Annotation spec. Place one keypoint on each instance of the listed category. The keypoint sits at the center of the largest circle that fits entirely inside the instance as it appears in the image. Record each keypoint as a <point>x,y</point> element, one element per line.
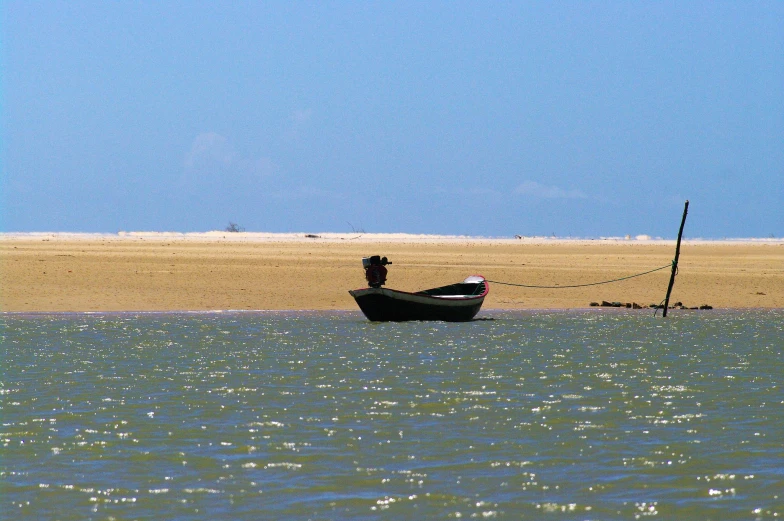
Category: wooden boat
<point>453,303</point>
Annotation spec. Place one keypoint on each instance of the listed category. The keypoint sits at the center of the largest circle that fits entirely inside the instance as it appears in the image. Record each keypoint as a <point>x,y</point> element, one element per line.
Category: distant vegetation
<point>355,230</point>
<point>234,228</point>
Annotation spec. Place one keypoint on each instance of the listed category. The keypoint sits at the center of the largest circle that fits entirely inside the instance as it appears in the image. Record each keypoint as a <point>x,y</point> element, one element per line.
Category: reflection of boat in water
<point>453,303</point>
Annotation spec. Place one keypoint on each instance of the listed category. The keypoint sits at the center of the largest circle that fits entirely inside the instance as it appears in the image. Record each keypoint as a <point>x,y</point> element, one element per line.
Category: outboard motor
<point>375,271</point>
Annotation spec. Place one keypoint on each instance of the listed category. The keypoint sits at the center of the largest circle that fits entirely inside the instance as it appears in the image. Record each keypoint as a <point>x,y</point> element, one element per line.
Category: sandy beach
<point>244,271</point>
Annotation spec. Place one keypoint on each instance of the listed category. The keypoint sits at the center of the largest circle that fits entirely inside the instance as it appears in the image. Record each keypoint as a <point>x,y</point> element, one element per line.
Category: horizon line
<point>356,235</point>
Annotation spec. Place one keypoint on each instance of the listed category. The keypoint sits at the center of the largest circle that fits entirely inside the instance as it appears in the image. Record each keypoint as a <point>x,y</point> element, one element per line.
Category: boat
<point>458,302</point>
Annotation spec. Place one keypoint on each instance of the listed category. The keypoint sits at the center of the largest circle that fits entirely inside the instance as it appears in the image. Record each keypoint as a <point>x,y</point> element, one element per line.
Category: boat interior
<point>461,289</point>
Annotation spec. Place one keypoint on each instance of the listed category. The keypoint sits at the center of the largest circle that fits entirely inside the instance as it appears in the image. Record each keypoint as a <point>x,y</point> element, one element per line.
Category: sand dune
<point>147,271</point>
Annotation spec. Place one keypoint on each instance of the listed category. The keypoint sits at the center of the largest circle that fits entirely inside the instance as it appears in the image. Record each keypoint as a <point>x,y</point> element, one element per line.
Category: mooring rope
<point>580,285</point>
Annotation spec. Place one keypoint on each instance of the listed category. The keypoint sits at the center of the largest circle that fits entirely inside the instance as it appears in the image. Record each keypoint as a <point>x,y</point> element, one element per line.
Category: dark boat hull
<point>389,305</point>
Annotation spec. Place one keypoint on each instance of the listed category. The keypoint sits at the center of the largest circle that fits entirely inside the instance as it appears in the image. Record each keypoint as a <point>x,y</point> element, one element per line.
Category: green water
<point>562,415</point>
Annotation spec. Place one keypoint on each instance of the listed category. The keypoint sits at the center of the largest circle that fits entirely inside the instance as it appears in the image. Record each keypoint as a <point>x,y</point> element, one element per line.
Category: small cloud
<point>212,156</point>
<point>534,189</point>
<point>208,151</point>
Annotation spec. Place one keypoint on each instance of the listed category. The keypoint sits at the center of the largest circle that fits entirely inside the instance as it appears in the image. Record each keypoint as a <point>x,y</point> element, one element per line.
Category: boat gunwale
<point>440,300</point>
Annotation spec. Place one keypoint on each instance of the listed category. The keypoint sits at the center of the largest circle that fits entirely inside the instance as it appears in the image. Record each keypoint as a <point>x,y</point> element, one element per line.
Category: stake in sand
<point>675,260</point>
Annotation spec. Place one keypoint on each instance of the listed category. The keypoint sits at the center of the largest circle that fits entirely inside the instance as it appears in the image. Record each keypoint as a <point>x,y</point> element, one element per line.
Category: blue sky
<point>481,118</point>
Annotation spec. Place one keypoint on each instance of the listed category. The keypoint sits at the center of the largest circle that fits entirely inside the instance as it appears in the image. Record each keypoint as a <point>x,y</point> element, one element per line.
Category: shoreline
<point>480,317</point>
<point>306,237</point>
<point>223,272</point>
<point>383,236</point>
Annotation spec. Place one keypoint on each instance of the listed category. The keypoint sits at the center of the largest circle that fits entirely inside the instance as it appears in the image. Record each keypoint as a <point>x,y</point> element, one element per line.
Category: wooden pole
<point>675,260</point>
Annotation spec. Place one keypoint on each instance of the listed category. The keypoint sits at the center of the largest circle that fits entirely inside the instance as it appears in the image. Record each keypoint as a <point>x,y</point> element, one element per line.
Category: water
<point>563,415</point>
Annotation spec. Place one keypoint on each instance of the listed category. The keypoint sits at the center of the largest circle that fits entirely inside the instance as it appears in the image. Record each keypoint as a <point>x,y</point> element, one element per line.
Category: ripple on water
<point>296,415</point>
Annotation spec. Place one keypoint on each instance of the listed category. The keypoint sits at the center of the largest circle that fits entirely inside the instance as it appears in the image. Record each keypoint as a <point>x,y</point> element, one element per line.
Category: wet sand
<point>160,272</point>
